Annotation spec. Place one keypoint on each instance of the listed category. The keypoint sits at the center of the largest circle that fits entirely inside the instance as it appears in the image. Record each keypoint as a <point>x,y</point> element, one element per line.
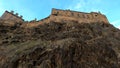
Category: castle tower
<point>11,16</point>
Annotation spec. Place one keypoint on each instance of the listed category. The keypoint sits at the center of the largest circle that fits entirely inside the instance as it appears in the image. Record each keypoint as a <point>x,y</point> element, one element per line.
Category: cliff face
<point>59,45</point>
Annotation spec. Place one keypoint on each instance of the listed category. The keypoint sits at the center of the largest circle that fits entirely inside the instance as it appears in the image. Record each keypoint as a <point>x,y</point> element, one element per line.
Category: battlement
<point>11,16</point>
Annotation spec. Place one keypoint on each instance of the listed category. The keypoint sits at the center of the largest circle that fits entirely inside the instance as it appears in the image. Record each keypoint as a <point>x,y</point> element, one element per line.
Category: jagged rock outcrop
<point>60,45</point>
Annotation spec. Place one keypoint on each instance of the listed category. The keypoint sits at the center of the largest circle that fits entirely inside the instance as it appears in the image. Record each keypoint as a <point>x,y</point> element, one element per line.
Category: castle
<point>58,15</point>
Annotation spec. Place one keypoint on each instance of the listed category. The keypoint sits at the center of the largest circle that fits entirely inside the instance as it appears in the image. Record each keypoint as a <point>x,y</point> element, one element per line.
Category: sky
<point>31,9</point>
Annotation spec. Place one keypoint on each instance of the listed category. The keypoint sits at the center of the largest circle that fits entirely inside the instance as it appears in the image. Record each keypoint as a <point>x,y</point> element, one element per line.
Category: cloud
<point>77,5</point>
<point>86,5</point>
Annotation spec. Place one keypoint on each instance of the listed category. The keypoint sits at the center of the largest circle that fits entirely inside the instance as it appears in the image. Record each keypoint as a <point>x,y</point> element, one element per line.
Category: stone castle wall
<point>82,16</point>
<point>60,16</point>
<point>11,16</point>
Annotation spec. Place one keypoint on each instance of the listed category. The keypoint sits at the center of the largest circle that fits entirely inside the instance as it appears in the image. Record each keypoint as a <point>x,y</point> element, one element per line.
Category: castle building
<point>11,16</point>
<point>81,17</point>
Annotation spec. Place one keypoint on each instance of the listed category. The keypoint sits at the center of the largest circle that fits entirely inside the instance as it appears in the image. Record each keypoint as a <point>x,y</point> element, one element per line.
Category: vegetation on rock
<point>60,45</point>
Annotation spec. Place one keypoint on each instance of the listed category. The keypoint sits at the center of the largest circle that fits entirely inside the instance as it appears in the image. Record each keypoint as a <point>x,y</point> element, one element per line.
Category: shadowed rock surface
<point>59,45</point>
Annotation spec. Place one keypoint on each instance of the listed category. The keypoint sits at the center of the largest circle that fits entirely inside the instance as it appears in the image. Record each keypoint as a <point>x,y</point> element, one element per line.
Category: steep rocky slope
<point>59,45</point>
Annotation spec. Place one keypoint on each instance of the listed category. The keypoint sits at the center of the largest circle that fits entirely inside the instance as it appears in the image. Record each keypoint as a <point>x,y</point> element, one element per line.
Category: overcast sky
<point>31,9</point>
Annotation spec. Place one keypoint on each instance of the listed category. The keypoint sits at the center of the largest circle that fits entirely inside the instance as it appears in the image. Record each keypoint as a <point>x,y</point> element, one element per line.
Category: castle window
<point>96,15</point>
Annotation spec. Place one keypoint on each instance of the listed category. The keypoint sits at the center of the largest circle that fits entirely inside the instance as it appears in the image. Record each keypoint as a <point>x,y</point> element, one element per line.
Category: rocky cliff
<point>59,45</point>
